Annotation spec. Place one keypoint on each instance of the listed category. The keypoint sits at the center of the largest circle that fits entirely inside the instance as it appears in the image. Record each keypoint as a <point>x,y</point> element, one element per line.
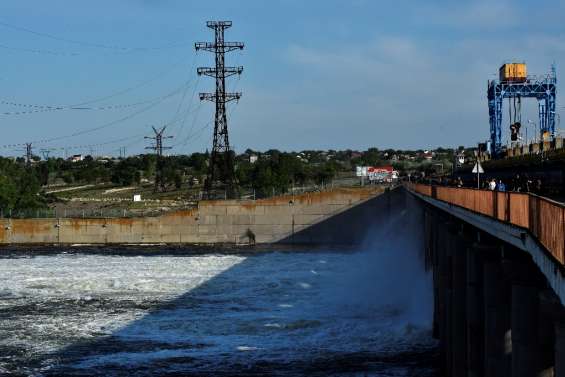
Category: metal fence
<point>99,207</point>
<point>544,218</point>
<point>51,213</point>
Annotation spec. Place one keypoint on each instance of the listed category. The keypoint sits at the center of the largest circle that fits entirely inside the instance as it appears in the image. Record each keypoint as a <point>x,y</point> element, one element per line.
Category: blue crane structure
<point>543,88</point>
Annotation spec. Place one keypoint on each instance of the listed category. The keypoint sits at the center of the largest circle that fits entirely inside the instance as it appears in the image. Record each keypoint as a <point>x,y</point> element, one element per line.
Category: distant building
<point>76,158</point>
<point>253,158</point>
<point>356,155</point>
<point>302,157</point>
<point>103,159</point>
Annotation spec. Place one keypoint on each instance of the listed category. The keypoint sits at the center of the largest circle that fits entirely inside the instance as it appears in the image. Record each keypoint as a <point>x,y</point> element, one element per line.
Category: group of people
<point>493,185</point>
<point>517,184</point>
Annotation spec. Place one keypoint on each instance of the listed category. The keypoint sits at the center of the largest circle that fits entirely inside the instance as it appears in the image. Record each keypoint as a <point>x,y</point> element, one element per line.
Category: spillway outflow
<point>275,313</point>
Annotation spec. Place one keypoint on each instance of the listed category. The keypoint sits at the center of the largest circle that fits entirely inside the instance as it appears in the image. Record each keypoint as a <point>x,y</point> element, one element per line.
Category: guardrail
<point>544,218</point>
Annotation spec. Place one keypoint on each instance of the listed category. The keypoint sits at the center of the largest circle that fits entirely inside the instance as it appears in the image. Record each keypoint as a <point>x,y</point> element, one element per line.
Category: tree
<point>28,189</point>
<point>8,193</point>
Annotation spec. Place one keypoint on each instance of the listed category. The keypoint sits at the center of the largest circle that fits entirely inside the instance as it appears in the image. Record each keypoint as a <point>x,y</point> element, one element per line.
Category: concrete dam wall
<point>335,216</point>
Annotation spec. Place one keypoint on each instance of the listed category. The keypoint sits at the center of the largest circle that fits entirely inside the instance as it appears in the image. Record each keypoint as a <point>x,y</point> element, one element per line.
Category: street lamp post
<point>535,126</point>
<point>558,120</point>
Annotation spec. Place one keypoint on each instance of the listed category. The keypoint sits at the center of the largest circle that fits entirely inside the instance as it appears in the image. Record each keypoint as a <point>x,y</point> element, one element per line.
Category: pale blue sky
<point>318,74</point>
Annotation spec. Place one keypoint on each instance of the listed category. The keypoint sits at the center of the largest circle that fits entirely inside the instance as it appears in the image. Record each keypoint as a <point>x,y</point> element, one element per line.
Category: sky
<point>94,76</point>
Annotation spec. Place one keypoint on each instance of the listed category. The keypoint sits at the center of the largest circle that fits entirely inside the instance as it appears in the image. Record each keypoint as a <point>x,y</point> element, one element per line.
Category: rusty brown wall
<point>231,221</point>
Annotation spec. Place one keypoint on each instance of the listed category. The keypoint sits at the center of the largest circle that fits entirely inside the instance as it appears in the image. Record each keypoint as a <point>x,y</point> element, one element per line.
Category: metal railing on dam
<point>542,217</point>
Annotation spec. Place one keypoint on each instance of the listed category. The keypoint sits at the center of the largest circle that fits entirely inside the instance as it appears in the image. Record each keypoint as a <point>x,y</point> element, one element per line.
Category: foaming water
<point>363,313</point>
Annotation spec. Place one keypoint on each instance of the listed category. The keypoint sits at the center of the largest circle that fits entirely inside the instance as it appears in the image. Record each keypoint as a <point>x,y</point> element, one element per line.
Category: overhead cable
<point>45,108</point>
<point>105,125</point>
<point>89,44</point>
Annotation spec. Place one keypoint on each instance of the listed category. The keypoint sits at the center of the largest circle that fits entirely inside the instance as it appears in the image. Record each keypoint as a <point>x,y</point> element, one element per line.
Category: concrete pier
<point>494,328</point>
<point>474,300</point>
<point>559,348</point>
<point>459,300</point>
<point>524,330</point>
<point>495,313</point>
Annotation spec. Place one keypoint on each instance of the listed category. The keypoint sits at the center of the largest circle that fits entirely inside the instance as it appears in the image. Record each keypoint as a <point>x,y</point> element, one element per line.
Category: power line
<point>123,148</point>
<point>48,108</point>
<point>87,146</point>
<point>49,149</point>
<point>37,51</point>
<point>190,136</point>
<point>89,44</point>
<point>137,86</point>
<point>105,125</point>
<point>79,106</point>
<point>176,118</point>
<point>182,119</point>
<point>131,88</point>
<point>194,121</point>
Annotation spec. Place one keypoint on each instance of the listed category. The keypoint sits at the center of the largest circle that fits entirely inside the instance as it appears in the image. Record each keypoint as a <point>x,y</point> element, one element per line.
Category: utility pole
<point>221,166</point>
<point>158,148</point>
<point>122,152</point>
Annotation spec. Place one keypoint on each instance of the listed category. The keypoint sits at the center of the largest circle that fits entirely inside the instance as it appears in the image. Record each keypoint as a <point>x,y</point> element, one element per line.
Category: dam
<point>316,188</point>
<point>280,219</point>
<point>416,280</point>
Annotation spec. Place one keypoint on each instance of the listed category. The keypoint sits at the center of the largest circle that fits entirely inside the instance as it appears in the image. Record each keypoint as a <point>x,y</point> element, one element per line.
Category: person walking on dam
<point>492,185</point>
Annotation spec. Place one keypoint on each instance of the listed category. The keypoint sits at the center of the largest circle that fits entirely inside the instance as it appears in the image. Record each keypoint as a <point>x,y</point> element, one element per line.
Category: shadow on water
<point>209,331</point>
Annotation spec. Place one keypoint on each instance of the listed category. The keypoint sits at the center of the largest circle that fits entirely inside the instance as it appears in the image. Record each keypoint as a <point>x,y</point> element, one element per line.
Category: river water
<point>223,313</point>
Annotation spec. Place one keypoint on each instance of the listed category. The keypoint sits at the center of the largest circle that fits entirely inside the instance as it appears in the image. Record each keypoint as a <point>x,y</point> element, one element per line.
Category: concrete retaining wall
<point>234,222</point>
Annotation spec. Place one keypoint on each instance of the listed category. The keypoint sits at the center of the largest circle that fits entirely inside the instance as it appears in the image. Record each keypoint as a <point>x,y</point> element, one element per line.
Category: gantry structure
<point>542,88</point>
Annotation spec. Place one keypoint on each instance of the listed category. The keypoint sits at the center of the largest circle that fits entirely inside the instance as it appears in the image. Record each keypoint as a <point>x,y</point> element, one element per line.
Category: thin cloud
<point>483,15</point>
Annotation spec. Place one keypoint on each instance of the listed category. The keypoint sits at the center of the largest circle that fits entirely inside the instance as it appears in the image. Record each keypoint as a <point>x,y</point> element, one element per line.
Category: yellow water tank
<point>513,72</point>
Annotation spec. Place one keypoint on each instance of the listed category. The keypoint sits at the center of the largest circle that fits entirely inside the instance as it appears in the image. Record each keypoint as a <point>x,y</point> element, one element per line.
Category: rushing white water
<point>365,312</point>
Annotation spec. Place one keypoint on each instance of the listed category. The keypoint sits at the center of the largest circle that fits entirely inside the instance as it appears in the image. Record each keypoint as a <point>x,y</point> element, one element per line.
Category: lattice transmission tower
<point>29,154</point>
<point>221,166</point>
<point>158,147</point>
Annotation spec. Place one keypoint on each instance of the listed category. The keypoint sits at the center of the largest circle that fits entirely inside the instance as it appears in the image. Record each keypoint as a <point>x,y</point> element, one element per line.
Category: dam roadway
<point>496,260</point>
